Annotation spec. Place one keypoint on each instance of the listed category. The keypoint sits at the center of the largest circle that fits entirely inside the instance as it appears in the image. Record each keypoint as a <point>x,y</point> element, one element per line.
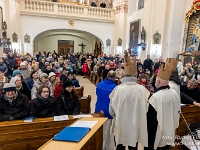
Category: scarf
<point>19,88</point>
<point>10,100</point>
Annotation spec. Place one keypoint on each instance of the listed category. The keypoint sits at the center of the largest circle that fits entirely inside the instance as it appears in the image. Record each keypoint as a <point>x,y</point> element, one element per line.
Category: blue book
<point>71,134</point>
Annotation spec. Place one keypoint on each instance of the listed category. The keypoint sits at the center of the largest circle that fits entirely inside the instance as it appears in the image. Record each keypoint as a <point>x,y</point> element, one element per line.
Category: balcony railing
<point>38,7</point>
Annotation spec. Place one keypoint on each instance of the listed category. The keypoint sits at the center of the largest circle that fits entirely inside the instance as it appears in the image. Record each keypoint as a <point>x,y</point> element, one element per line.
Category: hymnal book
<point>29,119</point>
<point>61,118</point>
<point>71,134</point>
<point>86,124</point>
<point>83,116</point>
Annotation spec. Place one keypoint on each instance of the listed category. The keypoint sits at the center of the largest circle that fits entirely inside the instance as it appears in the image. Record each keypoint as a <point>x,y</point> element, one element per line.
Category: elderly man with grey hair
<point>191,90</point>
<point>103,91</point>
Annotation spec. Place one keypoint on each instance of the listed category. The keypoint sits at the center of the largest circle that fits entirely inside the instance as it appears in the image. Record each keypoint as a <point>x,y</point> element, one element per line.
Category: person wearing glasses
<point>44,104</point>
<point>67,102</point>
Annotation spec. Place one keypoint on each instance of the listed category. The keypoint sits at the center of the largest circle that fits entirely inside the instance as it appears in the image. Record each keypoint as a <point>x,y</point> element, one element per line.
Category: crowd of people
<point>42,85</point>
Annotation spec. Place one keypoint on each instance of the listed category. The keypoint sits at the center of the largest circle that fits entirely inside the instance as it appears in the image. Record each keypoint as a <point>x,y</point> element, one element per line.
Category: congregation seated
<point>32,80</point>
<point>74,81</point>
<point>13,105</point>
<point>67,102</point>
<point>24,71</point>
<point>3,80</point>
<point>44,104</point>
<point>21,84</point>
<point>42,80</point>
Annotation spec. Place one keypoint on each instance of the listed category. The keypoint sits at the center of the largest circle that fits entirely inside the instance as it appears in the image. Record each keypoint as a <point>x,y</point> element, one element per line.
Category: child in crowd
<point>143,80</point>
<point>85,69</point>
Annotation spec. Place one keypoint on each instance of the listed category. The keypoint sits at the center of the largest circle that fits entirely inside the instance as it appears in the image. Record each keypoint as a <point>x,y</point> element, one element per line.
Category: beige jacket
<point>36,85</point>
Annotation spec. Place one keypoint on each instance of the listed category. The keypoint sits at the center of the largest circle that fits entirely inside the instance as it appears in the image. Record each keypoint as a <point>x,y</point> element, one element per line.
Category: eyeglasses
<point>45,91</point>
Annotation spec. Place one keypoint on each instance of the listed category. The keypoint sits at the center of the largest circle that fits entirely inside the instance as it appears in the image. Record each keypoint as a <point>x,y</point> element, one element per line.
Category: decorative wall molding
<point>58,10</point>
<point>123,8</point>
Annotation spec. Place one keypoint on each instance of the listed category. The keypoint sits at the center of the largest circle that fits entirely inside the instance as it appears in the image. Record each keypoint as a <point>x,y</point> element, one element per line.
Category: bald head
<point>111,74</point>
<point>160,82</point>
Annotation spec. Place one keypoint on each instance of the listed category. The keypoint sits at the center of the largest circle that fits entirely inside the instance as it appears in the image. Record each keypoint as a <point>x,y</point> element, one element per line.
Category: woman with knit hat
<point>42,80</point>
<point>13,105</point>
<point>67,102</point>
<point>53,80</point>
<point>22,88</point>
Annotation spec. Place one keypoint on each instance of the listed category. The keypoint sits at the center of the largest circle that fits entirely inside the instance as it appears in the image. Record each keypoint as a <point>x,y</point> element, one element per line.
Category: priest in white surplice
<point>163,114</point>
<point>128,106</point>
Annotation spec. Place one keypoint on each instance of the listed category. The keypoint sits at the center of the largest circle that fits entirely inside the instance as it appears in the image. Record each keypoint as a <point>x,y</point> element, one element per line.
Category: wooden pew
<point>17,135</point>
<point>85,104</point>
<point>192,116</point>
<point>79,91</point>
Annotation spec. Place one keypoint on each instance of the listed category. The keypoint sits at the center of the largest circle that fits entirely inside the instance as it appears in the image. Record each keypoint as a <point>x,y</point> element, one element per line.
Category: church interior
<point>128,71</point>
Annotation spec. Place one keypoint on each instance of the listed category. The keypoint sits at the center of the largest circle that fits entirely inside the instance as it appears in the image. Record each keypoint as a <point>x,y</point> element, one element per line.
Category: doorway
<point>65,47</point>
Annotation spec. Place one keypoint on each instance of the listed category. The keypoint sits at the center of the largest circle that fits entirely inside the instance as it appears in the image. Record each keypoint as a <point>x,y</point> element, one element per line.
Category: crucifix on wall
<point>82,47</point>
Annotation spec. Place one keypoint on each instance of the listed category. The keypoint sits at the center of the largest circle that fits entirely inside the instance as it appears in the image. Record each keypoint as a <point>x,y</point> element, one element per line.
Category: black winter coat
<point>43,108</point>
<point>24,90</point>
<point>3,68</point>
<point>66,105</point>
<point>19,109</point>
<point>13,63</point>
<point>194,94</point>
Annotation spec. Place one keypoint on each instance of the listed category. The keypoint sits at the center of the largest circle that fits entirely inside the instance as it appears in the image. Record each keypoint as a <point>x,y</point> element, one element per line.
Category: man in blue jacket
<point>103,91</point>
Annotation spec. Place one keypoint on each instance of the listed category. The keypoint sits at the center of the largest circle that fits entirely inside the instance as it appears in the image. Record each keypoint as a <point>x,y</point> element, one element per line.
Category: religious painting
<point>193,34</point>
<point>140,4</point>
<point>119,42</point>
<point>14,37</point>
<point>108,42</point>
<point>26,38</point>
<point>134,36</point>
<point>157,37</point>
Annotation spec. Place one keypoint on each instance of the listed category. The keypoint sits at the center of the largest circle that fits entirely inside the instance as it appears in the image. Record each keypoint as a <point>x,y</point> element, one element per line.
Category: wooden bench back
<point>85,104</point>
<point>79,91</point>
<point>17,135</point>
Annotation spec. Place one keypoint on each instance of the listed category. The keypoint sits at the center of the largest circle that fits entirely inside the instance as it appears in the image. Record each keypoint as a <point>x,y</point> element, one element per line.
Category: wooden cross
<point>82,47</point>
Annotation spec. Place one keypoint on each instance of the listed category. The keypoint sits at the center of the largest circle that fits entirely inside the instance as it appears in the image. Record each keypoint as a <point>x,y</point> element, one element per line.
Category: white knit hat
<point>42,75</point>
<point>9,87</point>
<point>51,74</point>
<point>14,79</point>
<point>22,64</point>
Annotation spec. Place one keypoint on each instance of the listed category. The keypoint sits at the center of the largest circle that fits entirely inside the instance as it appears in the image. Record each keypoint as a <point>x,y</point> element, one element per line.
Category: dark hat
<point>9,87</point>
<point>67,83</point>
<point>62,77</point>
